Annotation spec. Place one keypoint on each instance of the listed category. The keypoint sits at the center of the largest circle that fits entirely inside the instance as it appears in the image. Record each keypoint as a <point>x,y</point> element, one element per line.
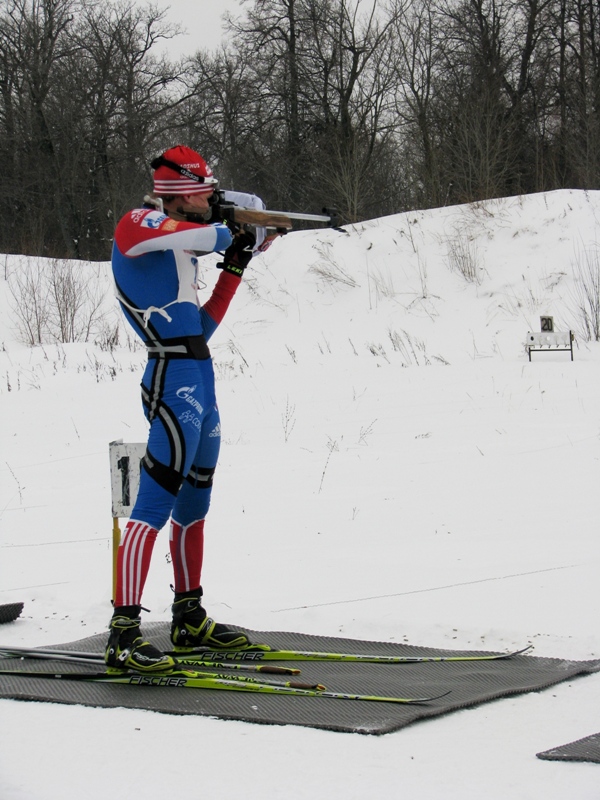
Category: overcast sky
<point>202,20</point>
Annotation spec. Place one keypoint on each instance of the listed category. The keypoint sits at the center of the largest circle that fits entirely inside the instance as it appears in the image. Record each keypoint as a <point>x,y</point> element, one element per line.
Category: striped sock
<point>133,562</point>
<point>186,543</point>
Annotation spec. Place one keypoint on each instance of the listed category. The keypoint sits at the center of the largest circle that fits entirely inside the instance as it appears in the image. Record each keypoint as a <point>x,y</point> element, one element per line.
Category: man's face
<point>200,202</point>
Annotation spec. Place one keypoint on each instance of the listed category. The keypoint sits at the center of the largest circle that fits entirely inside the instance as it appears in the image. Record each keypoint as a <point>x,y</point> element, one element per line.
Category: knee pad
<point>200,477</point>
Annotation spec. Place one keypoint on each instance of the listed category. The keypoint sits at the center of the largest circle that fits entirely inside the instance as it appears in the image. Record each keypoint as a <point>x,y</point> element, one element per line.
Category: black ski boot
<point>191,627</point>
<point>127,649</point>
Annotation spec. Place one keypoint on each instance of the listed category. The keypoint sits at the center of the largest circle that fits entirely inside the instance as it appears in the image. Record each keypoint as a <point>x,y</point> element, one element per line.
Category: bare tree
<point>320,73</point>
<point>83,101</point>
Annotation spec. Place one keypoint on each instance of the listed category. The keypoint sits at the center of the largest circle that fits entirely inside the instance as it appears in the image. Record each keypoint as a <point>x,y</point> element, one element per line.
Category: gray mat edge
<point>574,751</point>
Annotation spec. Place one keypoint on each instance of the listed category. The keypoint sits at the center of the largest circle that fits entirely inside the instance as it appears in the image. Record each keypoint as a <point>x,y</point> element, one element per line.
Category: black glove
<point>238,254</point>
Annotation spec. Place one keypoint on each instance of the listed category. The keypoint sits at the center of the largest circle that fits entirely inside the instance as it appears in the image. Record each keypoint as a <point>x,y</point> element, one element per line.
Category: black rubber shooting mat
<point>587,749</point>
<point>9,612</point>
<point>470,682</point>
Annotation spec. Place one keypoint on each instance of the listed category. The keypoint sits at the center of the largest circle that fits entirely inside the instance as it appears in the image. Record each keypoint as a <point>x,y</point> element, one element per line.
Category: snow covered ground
<point>393,468</point>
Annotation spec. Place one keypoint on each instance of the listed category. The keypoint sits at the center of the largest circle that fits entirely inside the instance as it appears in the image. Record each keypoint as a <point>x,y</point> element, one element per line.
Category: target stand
<point>125,468</point>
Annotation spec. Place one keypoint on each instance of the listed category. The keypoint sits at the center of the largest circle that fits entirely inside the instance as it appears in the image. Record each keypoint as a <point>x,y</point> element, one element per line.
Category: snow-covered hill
<point>393,468</point>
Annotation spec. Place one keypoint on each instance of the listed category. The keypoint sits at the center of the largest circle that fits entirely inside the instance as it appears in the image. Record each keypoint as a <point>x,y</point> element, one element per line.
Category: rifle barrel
<point>295,215</point>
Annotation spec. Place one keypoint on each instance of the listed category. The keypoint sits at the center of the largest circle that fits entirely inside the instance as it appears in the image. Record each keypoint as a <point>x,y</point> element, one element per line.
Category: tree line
<point>371,108</point>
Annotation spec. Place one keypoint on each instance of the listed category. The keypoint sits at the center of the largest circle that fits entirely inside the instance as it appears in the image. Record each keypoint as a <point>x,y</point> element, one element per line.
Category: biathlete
<point>155,268</point>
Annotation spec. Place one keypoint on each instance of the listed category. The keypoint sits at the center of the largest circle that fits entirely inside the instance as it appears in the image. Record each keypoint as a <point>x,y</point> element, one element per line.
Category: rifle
<point>222,210</point>
<point>281,221</point>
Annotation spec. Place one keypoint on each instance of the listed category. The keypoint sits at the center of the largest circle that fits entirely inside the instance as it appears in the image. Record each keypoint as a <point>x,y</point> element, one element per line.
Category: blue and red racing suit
<point>155,272</point>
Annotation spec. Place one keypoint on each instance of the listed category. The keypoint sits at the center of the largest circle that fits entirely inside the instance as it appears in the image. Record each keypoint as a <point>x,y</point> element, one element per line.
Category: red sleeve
<point>144,230</point>
<point>222,296</point>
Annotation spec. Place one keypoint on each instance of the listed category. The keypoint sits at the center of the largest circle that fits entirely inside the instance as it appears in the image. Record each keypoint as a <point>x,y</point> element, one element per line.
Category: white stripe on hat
<point>183,186</point>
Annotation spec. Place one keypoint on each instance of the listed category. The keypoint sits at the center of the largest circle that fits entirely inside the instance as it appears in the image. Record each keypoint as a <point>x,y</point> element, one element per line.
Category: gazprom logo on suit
<point>153,219</point>
<point>186,393</point>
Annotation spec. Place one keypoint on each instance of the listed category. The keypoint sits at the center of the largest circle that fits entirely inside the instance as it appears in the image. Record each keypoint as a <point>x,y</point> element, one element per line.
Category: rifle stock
<point>263,219</point>
<point>237,215</point>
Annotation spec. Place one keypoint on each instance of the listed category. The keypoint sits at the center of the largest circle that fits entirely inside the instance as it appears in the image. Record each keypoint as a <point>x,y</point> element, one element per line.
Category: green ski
<point>258,653</point>
<point>85,657</point>
<point>184,679</point>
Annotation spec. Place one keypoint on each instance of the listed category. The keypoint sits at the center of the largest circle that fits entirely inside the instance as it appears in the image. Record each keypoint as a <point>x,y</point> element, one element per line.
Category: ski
<point>186,679</point>
<point>111,671</point>
<point>254,654</point>
<point>84,657</point>
<point>231,659</point>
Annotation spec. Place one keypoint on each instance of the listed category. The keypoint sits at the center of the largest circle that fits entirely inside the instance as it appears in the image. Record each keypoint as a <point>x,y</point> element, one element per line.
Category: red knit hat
<point>180,171</point>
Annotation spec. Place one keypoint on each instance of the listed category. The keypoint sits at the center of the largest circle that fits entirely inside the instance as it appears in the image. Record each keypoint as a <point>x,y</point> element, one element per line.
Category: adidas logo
<point>216,432</point>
